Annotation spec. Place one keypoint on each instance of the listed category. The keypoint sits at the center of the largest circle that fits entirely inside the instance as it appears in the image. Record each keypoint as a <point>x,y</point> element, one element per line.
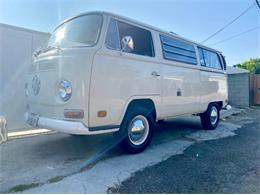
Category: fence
<point>254,89</point>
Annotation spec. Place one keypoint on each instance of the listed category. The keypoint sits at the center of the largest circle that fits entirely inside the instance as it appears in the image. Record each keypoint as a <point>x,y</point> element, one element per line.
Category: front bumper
<point>65,126</point>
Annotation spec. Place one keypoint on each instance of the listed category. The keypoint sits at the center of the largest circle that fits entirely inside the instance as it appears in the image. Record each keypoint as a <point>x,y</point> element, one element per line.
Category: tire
<point>133,139</point>
<point>159,122</point>
<point>210,118</point>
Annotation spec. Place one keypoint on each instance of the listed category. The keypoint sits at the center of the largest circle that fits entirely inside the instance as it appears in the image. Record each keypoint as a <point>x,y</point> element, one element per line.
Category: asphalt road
<point>40,158</point>
<point>229,165</point>
<point>37,159</point>
<point>58,163</point>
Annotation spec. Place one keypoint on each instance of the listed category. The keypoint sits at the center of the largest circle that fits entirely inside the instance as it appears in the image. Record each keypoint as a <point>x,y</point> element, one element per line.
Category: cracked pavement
<point>227,165</point>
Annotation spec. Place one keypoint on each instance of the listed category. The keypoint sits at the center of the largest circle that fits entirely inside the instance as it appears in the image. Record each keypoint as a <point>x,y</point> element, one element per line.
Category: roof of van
<point>141,24</point>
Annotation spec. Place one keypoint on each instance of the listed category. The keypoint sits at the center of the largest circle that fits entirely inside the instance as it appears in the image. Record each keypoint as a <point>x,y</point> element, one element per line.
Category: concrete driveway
<point>60,163</point>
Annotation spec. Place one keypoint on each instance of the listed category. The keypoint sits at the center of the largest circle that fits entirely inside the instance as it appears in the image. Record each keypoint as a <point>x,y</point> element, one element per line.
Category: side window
<point>209,59</point>
<point>178,50</point>
<point>112,39</point>
<point>142,39</point>
<point>212,59</point>
<point>202,60</point>
<point>224,62</point>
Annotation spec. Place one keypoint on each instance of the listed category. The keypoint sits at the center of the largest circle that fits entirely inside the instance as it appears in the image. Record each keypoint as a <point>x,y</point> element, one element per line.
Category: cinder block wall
<point>238,89</point>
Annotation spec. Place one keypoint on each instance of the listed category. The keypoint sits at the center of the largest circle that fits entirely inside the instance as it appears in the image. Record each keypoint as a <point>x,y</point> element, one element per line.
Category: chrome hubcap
<point>214,115</point>
<point>138,130</point>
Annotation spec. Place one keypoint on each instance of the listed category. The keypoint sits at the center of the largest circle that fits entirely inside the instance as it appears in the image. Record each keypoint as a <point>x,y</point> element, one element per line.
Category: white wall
<point>16,48</point>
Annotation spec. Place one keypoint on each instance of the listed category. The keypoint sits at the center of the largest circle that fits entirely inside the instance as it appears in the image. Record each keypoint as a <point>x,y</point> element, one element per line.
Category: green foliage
<point>253,65</point>
<point>23,187</point>
<point>55,179</point>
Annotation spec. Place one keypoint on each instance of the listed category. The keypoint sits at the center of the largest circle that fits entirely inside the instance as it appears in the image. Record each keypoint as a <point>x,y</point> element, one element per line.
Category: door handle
<point>155,74</point>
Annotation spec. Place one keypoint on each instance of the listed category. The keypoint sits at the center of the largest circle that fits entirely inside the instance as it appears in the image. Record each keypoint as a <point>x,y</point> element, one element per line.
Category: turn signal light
<point>73,113</point>
<point>102,113</point>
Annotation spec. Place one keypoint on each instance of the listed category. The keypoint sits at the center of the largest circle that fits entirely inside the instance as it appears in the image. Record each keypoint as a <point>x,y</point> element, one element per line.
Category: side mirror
<point>127,44</point>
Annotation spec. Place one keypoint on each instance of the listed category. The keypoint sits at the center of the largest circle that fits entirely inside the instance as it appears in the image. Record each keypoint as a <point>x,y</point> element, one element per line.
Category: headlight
<point>65,90</point>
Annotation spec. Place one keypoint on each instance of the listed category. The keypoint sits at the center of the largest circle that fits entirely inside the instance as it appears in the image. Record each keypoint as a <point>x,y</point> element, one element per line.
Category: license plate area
<point>33,120</point>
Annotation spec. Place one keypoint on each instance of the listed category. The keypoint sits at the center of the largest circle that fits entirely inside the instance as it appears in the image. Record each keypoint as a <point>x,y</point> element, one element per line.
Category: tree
<point>253,65</point>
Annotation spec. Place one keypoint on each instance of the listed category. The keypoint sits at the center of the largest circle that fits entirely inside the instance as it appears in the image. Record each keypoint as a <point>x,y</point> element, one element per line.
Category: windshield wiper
<point>37,52</point>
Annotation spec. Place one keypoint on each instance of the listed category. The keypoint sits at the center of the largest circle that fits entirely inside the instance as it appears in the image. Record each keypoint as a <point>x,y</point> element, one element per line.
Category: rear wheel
<point>210,118</point>
<point>136,130</point>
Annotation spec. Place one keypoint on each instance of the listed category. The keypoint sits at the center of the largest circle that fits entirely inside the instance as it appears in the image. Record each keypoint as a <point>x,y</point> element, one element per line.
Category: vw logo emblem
<point>36,85</point>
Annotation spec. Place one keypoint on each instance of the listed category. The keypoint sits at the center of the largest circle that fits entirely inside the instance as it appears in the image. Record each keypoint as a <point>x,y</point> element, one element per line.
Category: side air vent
<point>178,50</point>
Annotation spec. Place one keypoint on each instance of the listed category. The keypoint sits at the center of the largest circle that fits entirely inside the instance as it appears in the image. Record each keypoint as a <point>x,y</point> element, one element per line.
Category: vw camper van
<point>104,73</point>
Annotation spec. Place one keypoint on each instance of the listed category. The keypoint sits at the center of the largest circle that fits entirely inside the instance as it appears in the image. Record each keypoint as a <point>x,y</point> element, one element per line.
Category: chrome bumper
<point>70,127</point>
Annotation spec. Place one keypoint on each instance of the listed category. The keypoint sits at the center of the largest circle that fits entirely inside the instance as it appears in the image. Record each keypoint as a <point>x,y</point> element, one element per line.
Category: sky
<point>192,19</point>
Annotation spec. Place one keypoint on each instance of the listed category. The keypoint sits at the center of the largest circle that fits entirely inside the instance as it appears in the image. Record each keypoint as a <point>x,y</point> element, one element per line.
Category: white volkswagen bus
<point>104,73</point>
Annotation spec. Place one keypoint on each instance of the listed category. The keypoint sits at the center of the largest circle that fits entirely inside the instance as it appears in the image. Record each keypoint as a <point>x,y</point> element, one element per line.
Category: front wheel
<point>136,130</point>
<point>210,118</point>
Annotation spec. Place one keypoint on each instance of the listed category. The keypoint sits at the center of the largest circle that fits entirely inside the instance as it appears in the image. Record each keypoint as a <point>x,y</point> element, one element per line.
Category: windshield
<point>81,31</point>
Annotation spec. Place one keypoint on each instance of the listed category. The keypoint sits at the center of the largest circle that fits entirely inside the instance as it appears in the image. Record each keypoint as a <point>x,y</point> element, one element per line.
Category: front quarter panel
<point>72,64</point>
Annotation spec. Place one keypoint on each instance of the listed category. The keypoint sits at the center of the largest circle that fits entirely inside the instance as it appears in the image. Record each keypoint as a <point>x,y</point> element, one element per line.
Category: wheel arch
<point>219,103</point>
<point>144,102</point>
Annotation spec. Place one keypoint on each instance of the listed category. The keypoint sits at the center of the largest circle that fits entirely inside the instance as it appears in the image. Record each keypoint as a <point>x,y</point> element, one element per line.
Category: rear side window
<point>143,43</point>
<point>178,50</point>
<point>202,59</point>
<point>209,59</point>
<point>224,62</point>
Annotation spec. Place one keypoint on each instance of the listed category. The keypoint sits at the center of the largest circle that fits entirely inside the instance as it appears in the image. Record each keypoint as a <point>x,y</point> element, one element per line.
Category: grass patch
<point>55,179</point>
<point>23,187</point>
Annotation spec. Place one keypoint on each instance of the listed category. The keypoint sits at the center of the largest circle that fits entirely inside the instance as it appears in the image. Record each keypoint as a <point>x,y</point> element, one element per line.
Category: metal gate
<point>254,89</point>
<point>257,89</point>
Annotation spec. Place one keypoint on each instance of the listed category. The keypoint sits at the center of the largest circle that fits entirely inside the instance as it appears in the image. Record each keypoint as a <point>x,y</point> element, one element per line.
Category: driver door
<point>124,69</point>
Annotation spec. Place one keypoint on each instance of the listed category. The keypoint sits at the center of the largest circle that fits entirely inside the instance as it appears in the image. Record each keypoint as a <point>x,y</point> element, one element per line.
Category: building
<point>16,49</point>
<point>238,87</point>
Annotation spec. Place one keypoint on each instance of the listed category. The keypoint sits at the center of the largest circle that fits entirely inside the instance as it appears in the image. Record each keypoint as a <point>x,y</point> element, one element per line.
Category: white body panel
<point>213,88</point>
<point>108,80</point>
<point>187,82</point>
<point>72,64</point>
